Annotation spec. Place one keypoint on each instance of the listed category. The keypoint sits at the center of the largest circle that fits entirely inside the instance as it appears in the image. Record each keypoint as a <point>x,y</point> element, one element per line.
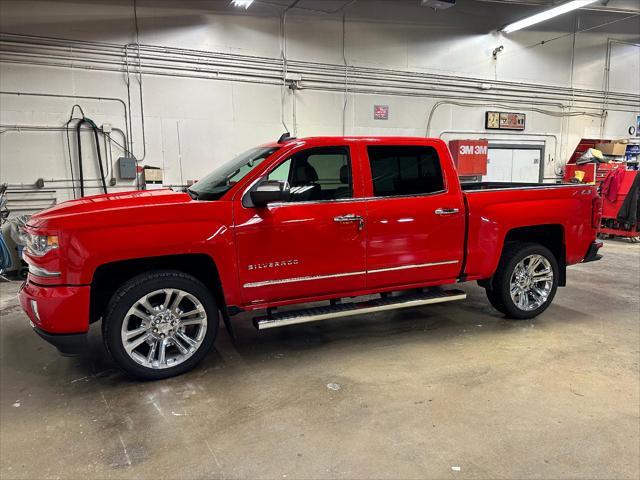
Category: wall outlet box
<point>127,168</point>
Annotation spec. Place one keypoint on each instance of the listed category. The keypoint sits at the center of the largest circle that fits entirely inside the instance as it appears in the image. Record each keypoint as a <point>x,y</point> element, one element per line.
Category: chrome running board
<point>357,308</point>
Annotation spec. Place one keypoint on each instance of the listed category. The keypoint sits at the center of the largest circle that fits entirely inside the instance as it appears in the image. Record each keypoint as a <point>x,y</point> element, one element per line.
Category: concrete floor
<point>447,391</point>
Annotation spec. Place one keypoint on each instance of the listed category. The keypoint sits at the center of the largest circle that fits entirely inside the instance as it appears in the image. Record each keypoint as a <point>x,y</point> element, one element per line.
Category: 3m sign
<point>470,156</point>
<point>473,149</point>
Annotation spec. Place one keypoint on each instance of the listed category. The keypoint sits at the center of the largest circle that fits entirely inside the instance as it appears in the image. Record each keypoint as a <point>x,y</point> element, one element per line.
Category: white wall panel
<point>315,39</point>
<point>188,98</point>
<point>625,68</point>
<point>255,104</point>
<point>377,44</point>
<point>443,50</point>
<point>320,113</point>
<point>193,124</point>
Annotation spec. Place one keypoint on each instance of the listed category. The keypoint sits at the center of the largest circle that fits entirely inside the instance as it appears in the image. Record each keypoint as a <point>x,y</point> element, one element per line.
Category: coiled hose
<point>95,129</point>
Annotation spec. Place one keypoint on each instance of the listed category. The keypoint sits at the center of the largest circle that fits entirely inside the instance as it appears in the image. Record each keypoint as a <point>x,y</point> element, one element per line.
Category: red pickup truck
<point>291,222</point>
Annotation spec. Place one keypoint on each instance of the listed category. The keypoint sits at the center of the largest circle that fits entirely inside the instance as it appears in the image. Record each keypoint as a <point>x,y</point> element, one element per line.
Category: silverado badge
<point>282,263</point>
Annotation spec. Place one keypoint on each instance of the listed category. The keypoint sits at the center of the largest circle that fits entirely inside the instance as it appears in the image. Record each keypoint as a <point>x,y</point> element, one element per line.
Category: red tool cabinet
<point>596,173</point>
<point>609,224</point>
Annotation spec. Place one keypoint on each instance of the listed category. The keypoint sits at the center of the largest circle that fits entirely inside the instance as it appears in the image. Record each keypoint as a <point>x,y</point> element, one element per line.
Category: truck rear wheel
<point>160,324</point>
<point>525,282</point>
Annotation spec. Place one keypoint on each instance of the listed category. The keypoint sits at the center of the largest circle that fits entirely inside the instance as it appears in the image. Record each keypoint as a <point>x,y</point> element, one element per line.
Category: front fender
<point>202,228</point>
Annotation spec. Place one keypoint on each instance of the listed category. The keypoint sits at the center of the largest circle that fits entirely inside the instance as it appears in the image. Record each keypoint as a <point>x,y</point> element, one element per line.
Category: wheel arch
<point>551,236</point>
<point>108,277</point>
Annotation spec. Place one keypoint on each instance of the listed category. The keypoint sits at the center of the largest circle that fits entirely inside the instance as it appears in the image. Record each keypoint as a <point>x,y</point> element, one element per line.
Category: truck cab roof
<point>333,140</point>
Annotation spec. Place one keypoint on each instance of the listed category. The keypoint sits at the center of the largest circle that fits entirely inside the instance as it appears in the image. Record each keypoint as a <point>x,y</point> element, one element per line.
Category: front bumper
<point>592,254</point>
<point>69,345</point>
<point>58,314</point>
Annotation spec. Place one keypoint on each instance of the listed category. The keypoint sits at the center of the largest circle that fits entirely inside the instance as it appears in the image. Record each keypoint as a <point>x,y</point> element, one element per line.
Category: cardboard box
<point>152,174</point>
<point>615,149</point>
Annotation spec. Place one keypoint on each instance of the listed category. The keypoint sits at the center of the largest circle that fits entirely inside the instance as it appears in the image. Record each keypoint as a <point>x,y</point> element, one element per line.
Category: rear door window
<point>405,170</point>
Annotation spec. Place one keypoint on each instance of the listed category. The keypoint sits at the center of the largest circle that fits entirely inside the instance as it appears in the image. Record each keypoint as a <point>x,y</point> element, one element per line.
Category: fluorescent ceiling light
<point>546,15</point>
<point>242,3</point>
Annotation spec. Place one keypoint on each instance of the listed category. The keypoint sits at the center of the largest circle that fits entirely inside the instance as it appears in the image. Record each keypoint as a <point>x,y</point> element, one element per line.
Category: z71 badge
<point>282,263</point>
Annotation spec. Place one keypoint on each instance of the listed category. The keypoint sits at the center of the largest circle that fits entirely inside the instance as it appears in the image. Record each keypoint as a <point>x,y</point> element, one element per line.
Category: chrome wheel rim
<point>164,328</point>
<point>531,282</point>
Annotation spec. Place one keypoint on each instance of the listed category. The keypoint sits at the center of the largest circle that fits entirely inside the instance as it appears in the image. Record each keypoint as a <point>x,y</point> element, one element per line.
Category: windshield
<point>218,182</point>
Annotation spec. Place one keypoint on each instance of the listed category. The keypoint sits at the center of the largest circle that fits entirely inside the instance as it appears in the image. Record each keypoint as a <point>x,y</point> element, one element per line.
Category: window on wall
<point>405,170</point>
<point>315,174</point>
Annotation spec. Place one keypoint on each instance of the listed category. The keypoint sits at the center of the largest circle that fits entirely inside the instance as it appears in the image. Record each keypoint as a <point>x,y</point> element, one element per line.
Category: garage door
<point>513,165</point>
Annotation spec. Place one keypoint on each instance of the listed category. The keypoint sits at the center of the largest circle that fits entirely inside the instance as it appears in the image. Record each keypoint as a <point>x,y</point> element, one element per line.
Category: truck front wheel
<point>525,282</point>
<point>160,324</point>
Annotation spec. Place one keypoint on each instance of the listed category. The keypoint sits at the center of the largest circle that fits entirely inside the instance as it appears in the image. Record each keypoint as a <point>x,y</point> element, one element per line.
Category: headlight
<point>38,245</point>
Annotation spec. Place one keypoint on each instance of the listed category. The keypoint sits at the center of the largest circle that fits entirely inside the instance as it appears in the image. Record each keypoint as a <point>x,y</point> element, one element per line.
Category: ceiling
<point>472,16</point>
<point>361,7</point>
<point>478,15</point>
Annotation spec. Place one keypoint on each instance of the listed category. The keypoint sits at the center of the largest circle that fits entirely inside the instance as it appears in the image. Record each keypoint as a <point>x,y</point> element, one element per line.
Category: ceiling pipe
<point>392,81</point>
<point>237,63</point>
<point>310,71</point>
<point>336,83</point>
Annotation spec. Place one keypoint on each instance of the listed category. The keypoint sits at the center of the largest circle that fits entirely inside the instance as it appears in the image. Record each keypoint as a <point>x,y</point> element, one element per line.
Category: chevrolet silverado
<point>291,222</point>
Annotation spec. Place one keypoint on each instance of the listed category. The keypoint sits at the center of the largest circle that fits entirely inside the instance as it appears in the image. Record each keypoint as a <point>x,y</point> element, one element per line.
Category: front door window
<point>317,174</point>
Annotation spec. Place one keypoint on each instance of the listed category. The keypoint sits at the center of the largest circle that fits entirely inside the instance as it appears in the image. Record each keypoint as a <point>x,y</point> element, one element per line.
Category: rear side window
<point>405,170</point>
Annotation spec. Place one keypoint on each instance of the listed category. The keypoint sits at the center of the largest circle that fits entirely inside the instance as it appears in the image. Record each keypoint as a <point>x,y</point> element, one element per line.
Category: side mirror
<point>270,191</point>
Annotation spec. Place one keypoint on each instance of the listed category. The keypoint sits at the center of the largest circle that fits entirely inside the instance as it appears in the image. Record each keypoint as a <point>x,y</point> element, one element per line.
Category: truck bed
<point>496,208</point>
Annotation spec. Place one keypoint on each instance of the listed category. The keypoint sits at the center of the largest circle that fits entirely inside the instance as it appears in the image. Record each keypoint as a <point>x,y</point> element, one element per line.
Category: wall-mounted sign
<point>505,121</point>
<point>470,156</point>
<point>638,126</point>
<point>381,112</point>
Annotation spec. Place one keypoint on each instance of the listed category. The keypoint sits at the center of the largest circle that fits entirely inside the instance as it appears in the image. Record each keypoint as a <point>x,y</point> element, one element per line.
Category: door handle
<point>350,218</point>
<point>446,211</point>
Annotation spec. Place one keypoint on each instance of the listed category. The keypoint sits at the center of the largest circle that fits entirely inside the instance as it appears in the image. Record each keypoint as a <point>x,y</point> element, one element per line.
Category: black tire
<point>499,292</point>
<point>136,288</point>
<point>494,300</point>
